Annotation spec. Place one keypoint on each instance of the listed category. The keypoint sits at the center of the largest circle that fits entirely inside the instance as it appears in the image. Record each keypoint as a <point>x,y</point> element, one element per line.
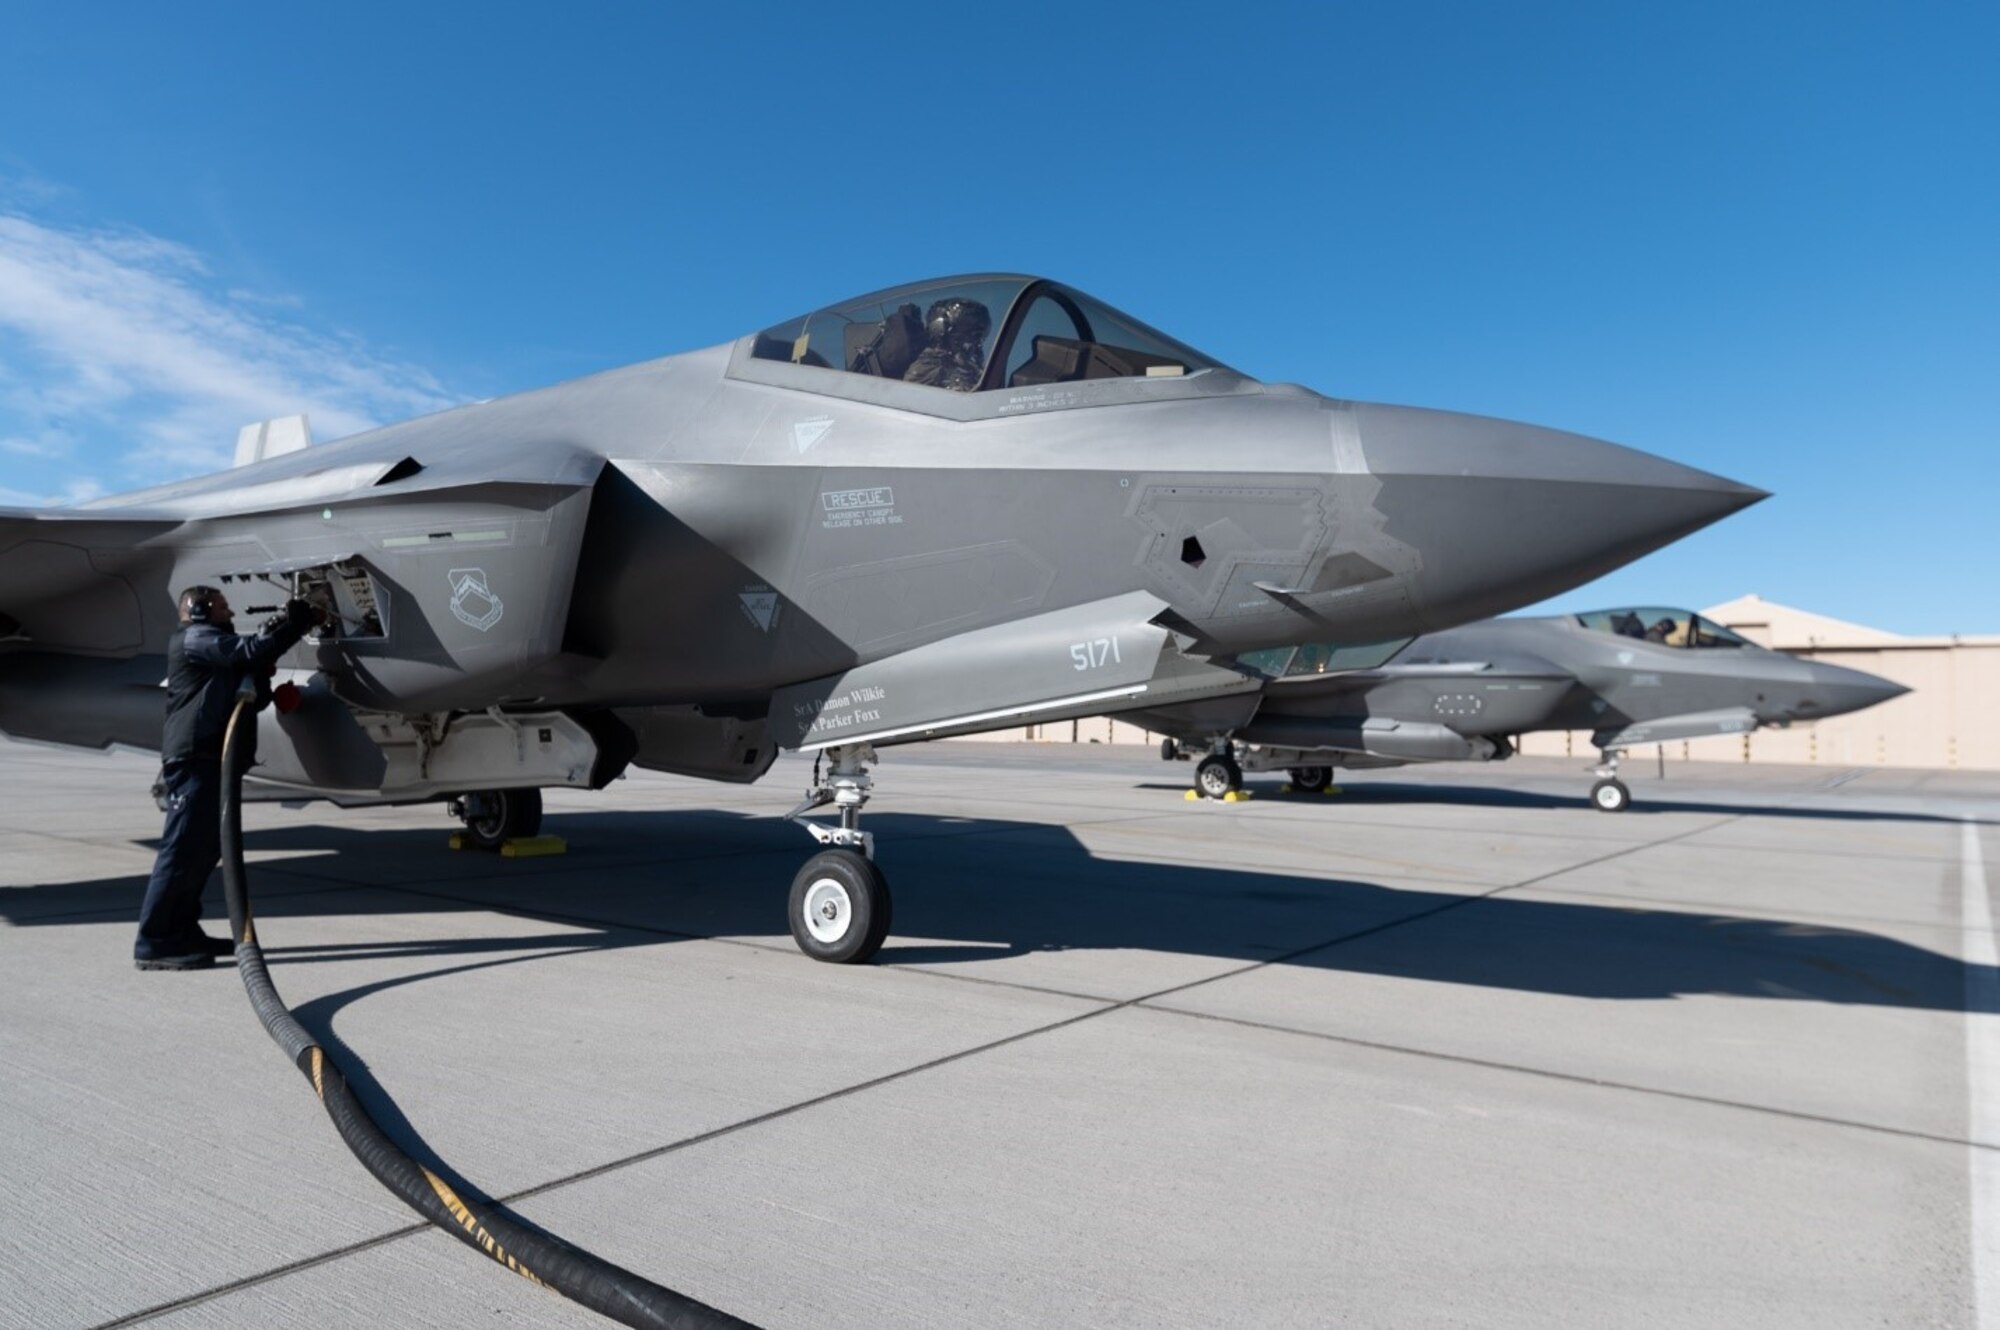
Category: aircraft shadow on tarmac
<point>1645,799</point>
<point>980,890</point>
<point>975,890</point>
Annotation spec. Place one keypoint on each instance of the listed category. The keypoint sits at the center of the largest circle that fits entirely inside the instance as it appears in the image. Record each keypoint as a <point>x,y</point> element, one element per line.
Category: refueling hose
<point>538,1257</point>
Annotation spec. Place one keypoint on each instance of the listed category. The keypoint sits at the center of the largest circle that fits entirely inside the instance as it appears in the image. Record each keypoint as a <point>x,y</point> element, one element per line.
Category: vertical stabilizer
<point>272,438</point>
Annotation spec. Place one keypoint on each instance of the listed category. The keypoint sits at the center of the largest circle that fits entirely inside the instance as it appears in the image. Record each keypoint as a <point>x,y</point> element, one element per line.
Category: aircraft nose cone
<point>1833,690</point>
<point>1504,514</point>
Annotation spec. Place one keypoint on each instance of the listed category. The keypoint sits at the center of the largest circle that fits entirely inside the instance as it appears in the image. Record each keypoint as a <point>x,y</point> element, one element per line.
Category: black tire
<point>1217,775</point>
<point>1169,750</point>
<point>1312,780</point>
<point>495,817</point>
<point>1610,796</point>
<point>839,908</point>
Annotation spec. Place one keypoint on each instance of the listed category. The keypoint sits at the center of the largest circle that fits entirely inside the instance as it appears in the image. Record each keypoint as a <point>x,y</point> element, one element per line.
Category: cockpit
<point>976,334</point>
<point>1673,628</point>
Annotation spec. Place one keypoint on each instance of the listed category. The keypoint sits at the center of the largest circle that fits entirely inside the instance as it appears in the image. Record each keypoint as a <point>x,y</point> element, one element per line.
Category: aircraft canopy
<point>974,334</point>
<point>1674,628</point>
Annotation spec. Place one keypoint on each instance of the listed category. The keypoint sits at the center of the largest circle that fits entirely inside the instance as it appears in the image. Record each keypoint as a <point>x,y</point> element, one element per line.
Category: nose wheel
<point>839,908</point>
<point>1609,795</point>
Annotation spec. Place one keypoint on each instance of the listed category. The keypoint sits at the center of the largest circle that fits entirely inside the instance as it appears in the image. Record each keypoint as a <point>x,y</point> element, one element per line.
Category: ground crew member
<point>206,664</point>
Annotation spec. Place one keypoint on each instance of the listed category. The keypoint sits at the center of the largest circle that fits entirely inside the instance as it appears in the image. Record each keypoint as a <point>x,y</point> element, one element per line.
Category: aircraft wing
<point>1079,661</point>
<point>77,580</point>
<point>1692,725</point>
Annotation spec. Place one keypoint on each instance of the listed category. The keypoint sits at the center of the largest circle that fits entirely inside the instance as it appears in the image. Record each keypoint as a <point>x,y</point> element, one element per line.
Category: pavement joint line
<point>1304,874</point>
<point>612,1166</point>
<point>1846,855</point>
<point>783,949</point>
<point>95,842</point>
<point>261,1277</point>
<point>1578,1078</point>
<point>1107,1007</point>
<point>1431,913</point>
<point>1982,1076</point>
<point>558,916</point>
<point>554,866</point>
<point>776,948</point>
<point>1737,910</point>
<point>131,911</point>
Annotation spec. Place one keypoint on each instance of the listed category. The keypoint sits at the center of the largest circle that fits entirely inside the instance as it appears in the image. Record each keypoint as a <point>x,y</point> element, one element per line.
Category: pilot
<point>206,664</point>
<point>1661,630</point>
<point>955,356</point>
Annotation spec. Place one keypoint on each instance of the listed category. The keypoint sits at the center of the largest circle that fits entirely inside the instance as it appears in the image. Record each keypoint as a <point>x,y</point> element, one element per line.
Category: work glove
<point>300,615</point>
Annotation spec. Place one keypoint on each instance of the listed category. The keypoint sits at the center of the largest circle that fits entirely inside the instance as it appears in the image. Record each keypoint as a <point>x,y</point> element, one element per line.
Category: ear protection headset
<point>197,602</point>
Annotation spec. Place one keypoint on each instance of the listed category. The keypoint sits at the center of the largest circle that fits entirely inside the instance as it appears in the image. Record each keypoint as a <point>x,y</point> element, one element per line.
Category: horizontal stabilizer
<point>1070,662</point>
<point>1693,725</point>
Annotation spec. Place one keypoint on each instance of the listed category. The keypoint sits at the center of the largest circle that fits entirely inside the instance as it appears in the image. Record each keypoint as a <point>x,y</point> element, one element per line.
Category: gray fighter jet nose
<point>1508,514</point>
<point>1834,690</point>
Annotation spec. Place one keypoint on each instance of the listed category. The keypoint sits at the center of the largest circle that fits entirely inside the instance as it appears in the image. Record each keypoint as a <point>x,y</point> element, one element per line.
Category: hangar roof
<point>1785,628</point>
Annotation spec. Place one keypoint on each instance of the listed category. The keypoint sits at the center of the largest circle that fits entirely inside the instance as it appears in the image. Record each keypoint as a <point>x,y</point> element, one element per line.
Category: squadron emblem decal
<point>760,605</point>
<point>472,601</point>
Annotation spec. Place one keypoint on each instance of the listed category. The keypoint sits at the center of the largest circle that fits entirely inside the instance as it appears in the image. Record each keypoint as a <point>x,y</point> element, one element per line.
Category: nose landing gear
<point>839,908</point>
<point>1610,794</point>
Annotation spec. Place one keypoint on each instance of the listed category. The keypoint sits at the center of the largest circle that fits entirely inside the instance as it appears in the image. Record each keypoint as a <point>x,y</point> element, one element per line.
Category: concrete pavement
<point>1450,1048</point>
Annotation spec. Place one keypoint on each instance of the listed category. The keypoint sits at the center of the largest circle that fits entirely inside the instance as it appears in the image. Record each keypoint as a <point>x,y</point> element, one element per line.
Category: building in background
<point>1951,718</point>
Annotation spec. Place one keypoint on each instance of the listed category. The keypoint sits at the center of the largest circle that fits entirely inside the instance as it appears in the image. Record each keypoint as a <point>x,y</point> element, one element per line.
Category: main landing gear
<point>840,907</point>
<point>1311,780</point>
<point>1609,795</point>
<point>494,817</point>
<point>1218,776</point>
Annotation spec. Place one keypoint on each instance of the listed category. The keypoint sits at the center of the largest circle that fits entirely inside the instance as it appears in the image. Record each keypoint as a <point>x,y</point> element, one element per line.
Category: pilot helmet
<point>957,320</point>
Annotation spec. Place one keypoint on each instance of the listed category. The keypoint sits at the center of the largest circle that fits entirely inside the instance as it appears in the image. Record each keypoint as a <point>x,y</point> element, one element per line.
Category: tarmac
<point>1447,1048</point>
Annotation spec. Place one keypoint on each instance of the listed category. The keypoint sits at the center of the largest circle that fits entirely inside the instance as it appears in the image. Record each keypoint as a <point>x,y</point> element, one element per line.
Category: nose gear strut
<point>840,906</point>
<point>1610,794</point>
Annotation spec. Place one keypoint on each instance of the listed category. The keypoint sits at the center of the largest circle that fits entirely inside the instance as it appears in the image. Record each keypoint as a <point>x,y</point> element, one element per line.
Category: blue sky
<point>1761,239</point>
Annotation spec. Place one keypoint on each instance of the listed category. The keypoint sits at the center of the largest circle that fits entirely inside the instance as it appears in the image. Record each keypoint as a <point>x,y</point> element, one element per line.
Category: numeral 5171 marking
<point>1095,654</point>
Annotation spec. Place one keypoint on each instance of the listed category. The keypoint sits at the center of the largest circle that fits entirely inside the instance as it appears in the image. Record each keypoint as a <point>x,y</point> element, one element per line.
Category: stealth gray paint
<point>1506,677</point>
<point>666,538</point>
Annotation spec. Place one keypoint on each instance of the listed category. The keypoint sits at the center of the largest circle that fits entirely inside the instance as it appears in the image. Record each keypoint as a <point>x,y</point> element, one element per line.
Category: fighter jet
<point>1630,676</point>
<point>928,511</point>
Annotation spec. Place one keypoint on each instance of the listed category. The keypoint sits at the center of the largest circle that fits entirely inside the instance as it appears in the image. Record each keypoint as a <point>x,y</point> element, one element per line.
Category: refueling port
<point>346,592</point>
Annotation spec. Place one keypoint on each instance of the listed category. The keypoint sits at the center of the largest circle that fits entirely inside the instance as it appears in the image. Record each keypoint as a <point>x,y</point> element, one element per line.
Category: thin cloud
<point>120,356</point>
<point>78,491</point>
